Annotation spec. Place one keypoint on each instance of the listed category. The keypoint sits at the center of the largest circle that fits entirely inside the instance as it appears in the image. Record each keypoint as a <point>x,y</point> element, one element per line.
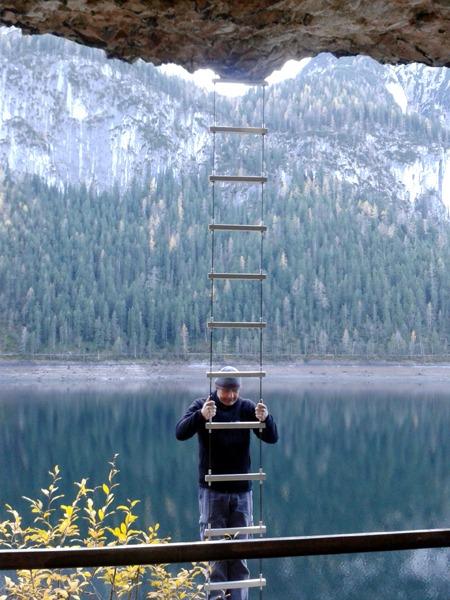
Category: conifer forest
<point>127,275</point>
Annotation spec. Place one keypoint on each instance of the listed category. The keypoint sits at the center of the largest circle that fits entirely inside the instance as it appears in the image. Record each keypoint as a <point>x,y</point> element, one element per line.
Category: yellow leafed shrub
<point>52,531</point>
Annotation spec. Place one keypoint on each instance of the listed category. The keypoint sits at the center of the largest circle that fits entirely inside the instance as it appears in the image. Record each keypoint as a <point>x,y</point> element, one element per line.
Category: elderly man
<point>225,504</point>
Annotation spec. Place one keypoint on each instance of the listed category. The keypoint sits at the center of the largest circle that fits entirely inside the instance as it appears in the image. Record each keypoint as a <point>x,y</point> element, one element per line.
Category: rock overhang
<point>243,38</point>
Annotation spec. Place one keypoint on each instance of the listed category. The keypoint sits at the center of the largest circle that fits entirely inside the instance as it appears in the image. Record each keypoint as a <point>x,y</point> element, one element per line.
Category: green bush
<point>49,531</point>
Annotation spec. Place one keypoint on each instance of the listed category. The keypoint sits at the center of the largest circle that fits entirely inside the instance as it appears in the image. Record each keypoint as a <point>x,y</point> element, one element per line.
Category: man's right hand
<point>209,409</point>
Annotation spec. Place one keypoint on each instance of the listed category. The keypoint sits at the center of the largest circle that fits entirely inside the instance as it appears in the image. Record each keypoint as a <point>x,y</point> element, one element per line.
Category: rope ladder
<point>231,183</point>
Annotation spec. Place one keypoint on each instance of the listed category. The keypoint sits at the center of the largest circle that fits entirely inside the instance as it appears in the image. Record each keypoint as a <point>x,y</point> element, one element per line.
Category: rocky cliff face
<point>72,117</point>
<point>394,156</point>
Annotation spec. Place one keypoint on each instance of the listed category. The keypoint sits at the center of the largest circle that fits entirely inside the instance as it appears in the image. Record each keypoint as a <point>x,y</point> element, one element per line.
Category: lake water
<point>350,459</point>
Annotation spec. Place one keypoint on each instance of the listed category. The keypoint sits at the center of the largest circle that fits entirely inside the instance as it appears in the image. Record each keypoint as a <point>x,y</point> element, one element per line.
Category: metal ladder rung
<point>257,276</point>
<point>236,227</point>
<point>235,425</point>
<point>238,178</point>
<point>233,531</point>
<point>236,324</point>
<point>236,477</point>
<point>250,82</point>
<point>214,374</point>
<point>247,130</point>
<point>234,585</point>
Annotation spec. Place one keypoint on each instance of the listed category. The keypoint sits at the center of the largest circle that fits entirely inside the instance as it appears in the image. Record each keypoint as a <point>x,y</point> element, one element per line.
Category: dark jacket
<point>228,450</point>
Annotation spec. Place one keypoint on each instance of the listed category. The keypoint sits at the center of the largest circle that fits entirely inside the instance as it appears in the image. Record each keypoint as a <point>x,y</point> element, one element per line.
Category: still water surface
<point>351,459</point>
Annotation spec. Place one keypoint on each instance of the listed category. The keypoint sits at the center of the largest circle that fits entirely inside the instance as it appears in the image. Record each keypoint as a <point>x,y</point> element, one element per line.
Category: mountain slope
<point>113,257</point>
<point>351,119</point>
<point>71,116</point>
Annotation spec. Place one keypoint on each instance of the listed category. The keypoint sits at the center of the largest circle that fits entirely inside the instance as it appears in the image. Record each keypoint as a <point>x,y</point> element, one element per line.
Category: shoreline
<point>26,372</point>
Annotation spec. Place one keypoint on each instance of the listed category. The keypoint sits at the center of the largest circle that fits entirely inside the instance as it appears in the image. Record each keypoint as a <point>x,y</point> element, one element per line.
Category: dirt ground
<point>16,372</point>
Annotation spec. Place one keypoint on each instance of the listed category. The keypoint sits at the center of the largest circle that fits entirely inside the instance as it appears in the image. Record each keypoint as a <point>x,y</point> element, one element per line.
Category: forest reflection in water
<point>350,459</point>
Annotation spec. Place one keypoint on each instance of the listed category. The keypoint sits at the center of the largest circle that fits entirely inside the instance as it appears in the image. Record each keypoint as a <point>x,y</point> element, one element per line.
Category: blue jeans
<point>220,509</point>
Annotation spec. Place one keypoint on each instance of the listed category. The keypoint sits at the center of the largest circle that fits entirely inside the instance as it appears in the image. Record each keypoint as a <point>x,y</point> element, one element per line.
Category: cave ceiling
<point>243,38</point>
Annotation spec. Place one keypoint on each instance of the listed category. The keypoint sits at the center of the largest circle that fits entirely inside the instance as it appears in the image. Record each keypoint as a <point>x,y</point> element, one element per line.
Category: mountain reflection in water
<point>350,459</point>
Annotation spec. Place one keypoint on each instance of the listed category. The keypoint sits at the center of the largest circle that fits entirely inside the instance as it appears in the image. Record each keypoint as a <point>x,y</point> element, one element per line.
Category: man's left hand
<point>261,412</point>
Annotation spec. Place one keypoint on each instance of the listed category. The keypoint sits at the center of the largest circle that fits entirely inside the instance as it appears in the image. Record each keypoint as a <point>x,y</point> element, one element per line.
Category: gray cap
<point>228,382</point>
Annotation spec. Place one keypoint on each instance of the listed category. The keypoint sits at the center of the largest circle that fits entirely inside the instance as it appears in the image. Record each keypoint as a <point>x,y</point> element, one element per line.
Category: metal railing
<point>187,552</point>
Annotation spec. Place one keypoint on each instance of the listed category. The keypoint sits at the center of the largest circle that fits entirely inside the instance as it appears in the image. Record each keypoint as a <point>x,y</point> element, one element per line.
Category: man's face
<point>228,396</point>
